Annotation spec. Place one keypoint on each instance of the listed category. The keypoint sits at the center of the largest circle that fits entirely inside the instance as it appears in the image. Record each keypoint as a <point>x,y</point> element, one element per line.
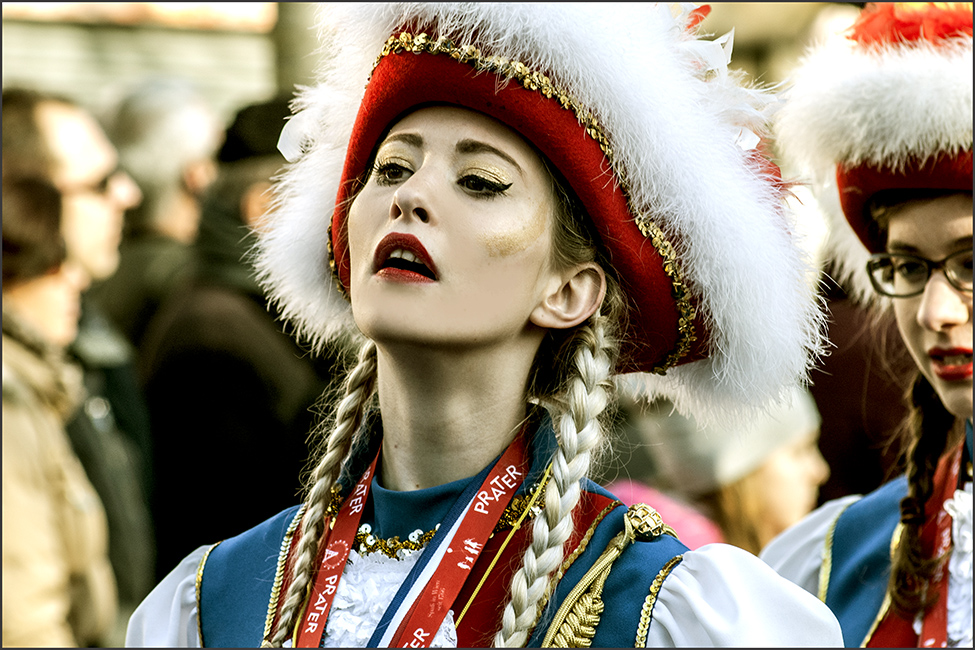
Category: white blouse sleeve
<point>721,595</point>
<point>797,553</point>
<point>168,615</point>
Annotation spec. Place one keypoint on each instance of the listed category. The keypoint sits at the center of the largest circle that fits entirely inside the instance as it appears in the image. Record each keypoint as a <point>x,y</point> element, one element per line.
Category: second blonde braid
<point>576,419</point>
<point>360,385</point>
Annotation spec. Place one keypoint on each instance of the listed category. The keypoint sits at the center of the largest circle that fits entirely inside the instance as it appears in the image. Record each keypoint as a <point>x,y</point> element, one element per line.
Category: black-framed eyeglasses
<point>899,275</point>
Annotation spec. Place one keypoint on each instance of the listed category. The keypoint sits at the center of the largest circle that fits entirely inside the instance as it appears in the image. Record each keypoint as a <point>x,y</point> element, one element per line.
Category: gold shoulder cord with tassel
<point>574,625</point>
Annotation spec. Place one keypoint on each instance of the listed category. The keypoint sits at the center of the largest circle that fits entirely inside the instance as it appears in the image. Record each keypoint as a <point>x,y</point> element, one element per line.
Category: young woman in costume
<point>516,202</point>
<point>881,122</point>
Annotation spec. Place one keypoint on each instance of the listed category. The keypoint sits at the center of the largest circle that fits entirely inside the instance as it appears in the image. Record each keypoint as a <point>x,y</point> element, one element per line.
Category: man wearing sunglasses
<point>54,138</point>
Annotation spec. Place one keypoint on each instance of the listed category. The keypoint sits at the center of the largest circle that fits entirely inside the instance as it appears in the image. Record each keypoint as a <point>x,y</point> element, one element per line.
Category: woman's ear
<point>198,175</point>
<point>576,297</point>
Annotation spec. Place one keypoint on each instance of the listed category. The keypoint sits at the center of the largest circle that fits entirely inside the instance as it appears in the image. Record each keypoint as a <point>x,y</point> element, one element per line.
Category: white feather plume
<point>680,124</point>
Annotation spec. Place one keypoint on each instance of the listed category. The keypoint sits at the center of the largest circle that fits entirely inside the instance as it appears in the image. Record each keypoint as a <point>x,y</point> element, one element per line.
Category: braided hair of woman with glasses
<point>892,167</point>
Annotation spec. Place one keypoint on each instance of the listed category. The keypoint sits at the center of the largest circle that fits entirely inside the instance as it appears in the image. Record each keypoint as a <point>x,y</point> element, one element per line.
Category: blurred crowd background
<point>240,52</point>
<point>202,400</point>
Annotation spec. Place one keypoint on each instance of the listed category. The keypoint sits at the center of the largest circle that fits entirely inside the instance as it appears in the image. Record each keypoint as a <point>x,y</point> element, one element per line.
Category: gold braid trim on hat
<point>538,82</point>
<point>678,292</point>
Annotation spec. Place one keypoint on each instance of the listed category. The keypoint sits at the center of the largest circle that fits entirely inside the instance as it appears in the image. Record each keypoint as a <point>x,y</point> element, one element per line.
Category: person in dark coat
<point>229,392</point>
<point>167,134</point>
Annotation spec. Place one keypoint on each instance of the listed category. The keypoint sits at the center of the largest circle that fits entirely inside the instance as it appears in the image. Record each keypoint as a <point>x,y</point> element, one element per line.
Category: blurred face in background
<point>50,303</point>
<point>96,194</point>
<point>787,485</point>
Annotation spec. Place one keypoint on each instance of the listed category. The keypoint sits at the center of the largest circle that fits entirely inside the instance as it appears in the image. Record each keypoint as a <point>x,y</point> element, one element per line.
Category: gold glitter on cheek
<point>504,244</point>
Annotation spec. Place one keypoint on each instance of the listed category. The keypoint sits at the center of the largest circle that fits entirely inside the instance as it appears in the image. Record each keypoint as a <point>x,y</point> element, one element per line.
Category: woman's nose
<point>821,468</point>
<point>942,306</point>
<point>412,199</point>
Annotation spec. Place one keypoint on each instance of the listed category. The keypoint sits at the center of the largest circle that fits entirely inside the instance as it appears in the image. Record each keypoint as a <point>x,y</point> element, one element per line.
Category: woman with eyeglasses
<point>880,120</point>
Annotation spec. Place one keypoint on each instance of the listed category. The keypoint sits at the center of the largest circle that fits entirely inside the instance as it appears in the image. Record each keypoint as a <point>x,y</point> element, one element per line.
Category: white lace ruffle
<point>960,569</point>
<point>368,584</point>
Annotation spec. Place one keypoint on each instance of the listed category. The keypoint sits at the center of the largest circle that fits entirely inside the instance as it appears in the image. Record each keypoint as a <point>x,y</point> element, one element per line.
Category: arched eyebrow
<point>476,146</point>
<point>904,247</point>
<point>466,146</point>
<point>411,139</point>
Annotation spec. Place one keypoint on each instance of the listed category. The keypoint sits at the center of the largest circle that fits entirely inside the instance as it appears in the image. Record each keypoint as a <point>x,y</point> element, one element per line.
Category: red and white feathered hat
<point>885,105</point>
<point>655,135</point>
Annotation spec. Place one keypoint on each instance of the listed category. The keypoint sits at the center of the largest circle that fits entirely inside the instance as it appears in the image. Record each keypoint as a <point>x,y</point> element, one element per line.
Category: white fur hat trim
<point>680,124</point>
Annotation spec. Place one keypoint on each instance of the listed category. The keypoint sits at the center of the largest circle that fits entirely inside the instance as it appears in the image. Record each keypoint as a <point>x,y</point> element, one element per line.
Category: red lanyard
<point>331,561</point>
<point>894,630</point>
<point>428,599</point>
<point>420,624</point>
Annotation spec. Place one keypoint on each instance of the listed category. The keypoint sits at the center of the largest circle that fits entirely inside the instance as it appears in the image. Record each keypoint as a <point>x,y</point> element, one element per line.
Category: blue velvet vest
<point>238,575</point>
<point>860,559</point>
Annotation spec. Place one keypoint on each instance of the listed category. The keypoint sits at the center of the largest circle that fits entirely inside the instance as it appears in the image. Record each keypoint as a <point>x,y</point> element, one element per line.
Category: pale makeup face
<point>50,303</point>
<point>469,199</point>
<point>790,480</point>
<point>937,324</point>
<point>96,194</point>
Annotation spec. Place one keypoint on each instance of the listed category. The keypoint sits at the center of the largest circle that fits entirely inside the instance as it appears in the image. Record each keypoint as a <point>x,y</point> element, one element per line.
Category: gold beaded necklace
<point>366,543</point>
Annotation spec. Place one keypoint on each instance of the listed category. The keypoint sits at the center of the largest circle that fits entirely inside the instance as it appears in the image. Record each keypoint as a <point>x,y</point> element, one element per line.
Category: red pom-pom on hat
<point>898,22</point>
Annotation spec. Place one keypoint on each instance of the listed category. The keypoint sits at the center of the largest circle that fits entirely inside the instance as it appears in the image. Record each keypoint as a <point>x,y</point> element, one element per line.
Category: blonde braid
<point>360,385</point>
<point>576,419</point>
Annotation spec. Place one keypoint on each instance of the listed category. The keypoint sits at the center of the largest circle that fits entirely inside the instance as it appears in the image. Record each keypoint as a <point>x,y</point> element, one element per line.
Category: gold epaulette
<point>574,625</point>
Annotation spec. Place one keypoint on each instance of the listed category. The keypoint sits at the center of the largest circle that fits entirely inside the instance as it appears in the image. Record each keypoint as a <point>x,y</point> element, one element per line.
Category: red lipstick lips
<point>402,258</point>
<point>951,364</point>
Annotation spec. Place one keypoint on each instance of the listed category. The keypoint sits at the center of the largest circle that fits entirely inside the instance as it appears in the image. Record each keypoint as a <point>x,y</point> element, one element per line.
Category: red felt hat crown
<point>859,183</point>
<point>414,70</point>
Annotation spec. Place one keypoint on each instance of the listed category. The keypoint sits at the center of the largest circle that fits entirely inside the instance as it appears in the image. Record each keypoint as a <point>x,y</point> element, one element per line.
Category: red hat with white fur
<point>655,135</point>
<point>885,105</point>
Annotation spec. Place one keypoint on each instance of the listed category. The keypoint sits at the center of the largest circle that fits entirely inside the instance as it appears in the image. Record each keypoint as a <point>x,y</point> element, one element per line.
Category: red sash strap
<point>895,631</point>
<point>482,619</point>
<point>334,553</point>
